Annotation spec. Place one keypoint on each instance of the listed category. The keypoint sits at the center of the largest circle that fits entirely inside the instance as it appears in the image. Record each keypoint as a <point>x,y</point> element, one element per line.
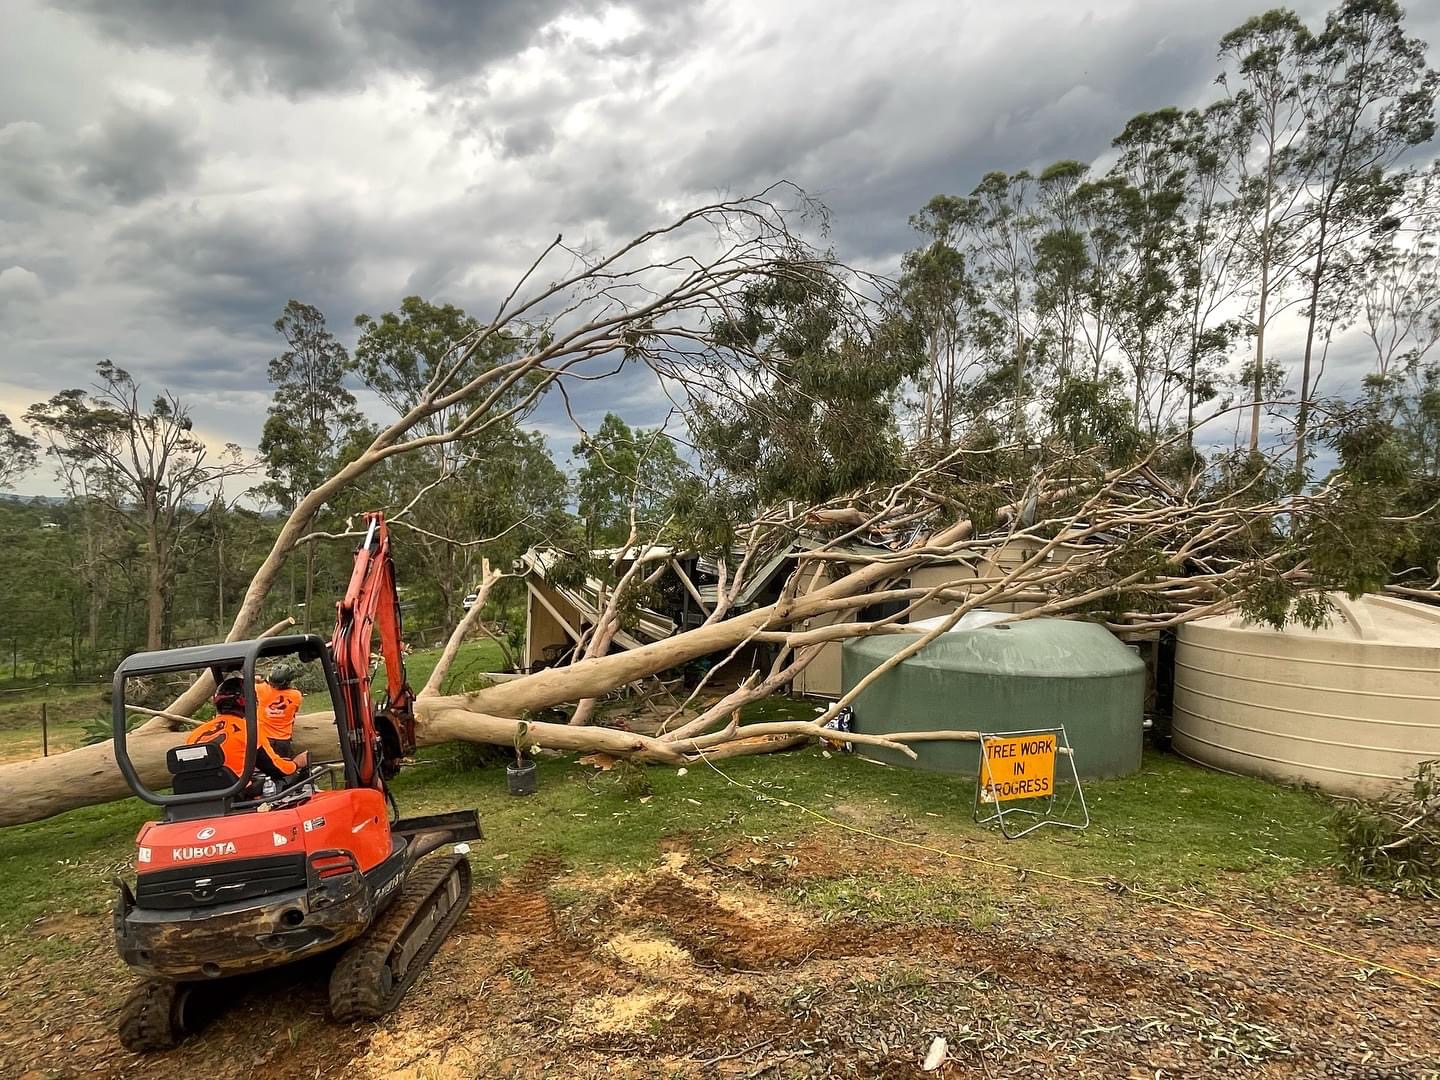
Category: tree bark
<point>1304,418</point>
<point>488,578</point>
<point>154,594</point>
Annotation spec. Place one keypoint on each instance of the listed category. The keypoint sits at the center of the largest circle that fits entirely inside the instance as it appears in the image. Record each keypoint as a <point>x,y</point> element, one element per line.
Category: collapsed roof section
<point>688,585</point>
<point>584,601</point>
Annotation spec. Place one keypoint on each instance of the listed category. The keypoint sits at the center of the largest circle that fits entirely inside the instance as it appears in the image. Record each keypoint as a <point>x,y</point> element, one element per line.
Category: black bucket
<point>521,779</point>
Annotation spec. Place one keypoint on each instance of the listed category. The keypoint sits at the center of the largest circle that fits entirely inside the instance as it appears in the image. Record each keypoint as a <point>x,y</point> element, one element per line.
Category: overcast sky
<point>173,171</point>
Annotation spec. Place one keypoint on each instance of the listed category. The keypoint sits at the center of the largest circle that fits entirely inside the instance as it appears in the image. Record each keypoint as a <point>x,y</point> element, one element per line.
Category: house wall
<point>822,676</point>
<point>542,629</point>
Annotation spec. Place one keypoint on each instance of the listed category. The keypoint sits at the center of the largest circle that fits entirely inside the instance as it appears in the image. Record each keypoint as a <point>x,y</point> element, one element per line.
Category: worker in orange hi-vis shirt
<point>228,731</point>
<point>278,702</point>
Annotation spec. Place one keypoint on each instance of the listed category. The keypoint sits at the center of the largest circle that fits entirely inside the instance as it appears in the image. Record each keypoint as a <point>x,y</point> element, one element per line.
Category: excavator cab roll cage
<point>373,740</point>
<point>222,660</point>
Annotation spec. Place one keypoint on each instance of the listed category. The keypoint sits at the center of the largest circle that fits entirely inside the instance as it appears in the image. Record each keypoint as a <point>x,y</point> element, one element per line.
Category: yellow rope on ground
<point>1147,894</point>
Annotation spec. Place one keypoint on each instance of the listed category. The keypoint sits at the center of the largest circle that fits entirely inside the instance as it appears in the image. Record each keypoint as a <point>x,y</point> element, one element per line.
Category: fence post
<point>44,730</point>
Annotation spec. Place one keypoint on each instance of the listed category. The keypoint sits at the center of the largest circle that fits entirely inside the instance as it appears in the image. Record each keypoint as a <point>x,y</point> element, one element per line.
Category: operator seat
<point>198,767</point>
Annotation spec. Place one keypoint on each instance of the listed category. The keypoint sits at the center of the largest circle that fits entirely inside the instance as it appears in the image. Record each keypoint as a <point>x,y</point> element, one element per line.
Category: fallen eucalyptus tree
<point>1146,545</point>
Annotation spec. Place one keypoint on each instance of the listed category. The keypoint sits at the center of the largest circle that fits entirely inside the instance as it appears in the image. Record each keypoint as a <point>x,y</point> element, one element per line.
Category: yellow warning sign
<point>1017,768</point>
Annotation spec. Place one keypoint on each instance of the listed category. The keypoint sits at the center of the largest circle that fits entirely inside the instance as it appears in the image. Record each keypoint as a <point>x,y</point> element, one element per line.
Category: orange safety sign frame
<point>1021,767</point>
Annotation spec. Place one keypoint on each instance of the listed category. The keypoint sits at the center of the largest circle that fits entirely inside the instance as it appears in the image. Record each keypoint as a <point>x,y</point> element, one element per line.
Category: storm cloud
<point>316,47</point>
<point>173,171</point>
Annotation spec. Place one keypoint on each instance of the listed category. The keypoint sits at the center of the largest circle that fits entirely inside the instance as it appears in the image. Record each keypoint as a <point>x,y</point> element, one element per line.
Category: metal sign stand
<point>986,795</point>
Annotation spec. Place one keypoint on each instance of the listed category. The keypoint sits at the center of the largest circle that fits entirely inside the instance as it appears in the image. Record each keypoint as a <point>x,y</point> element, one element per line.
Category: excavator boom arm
<point>382,736</point>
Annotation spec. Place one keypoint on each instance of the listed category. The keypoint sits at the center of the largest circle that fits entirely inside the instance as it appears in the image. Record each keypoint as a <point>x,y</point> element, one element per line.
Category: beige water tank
<point>1351,707</point>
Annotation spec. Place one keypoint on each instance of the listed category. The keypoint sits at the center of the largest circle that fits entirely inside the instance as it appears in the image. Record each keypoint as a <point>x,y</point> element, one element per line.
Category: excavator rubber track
<point>155,1016</point>
<point>373,974</point>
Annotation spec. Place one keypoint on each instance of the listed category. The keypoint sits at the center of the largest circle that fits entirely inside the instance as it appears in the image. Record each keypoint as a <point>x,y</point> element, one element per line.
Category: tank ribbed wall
<point>1008,677</point>
<point>1351,708</point>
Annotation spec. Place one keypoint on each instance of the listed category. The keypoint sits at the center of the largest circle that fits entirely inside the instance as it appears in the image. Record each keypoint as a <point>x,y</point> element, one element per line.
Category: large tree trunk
<point>154,592</point>
<point>1311,318</point>
<point>43,787</point>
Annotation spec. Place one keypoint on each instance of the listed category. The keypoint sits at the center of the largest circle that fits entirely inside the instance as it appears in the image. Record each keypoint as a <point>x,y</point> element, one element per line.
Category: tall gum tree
<point>141,462</point>
<point>311,416</point>
<point>1267,85</point>
<point>1371,98</point>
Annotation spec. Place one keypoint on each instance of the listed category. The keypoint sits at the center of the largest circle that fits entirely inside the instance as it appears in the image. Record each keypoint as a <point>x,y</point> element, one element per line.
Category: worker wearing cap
<point>277,703</point>
<point>228,730</point>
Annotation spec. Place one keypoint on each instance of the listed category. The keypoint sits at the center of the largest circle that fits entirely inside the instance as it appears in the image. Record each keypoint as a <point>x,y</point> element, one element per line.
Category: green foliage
<point>821,421</point>
<point>401,354</point>
<point>625,471</point>
<point>1277,601</point>
<point>312,414</point>
<point>101,728</point>
<point>1394,843</point>
<point>17,453</point>
<point>1092,413</point>
<point>1356,544</point>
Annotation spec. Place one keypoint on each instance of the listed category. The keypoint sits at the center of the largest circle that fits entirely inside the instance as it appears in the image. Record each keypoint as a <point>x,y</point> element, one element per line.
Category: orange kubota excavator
<point>237,877</point>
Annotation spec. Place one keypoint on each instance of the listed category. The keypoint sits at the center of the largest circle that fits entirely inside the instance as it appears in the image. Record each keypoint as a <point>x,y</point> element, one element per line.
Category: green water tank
<point>999,678</point>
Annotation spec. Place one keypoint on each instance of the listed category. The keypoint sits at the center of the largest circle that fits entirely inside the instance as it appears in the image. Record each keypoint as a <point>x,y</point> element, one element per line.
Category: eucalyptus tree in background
<point>959,333</point>
<point>1099,202</point>
<point>1154,165</point>
<point>1268,83</point>
<point>1062,260</point>
<point>1399,313</point>
<point>1207,271</point>
<point>1400,305</point>
<point>311,416</point>
<point>400,353</point>
<point>624,471</point>
<point>1000,224</point>
<point>17,453</point>
<point>1369,98</point>
<point>829,424</point>
<point>143,464</point>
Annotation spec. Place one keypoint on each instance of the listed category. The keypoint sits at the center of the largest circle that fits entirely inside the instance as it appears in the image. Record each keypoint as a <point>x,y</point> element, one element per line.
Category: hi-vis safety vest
<point>276,710</point>
<point>229,732</point>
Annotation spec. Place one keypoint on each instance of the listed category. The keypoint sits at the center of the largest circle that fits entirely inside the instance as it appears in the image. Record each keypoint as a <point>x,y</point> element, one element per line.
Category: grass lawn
<point>67,709</point>
<point>1171,826</point>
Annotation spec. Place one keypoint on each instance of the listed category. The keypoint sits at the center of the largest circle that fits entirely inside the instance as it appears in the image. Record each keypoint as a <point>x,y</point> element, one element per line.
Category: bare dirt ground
<point>754,964</point>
